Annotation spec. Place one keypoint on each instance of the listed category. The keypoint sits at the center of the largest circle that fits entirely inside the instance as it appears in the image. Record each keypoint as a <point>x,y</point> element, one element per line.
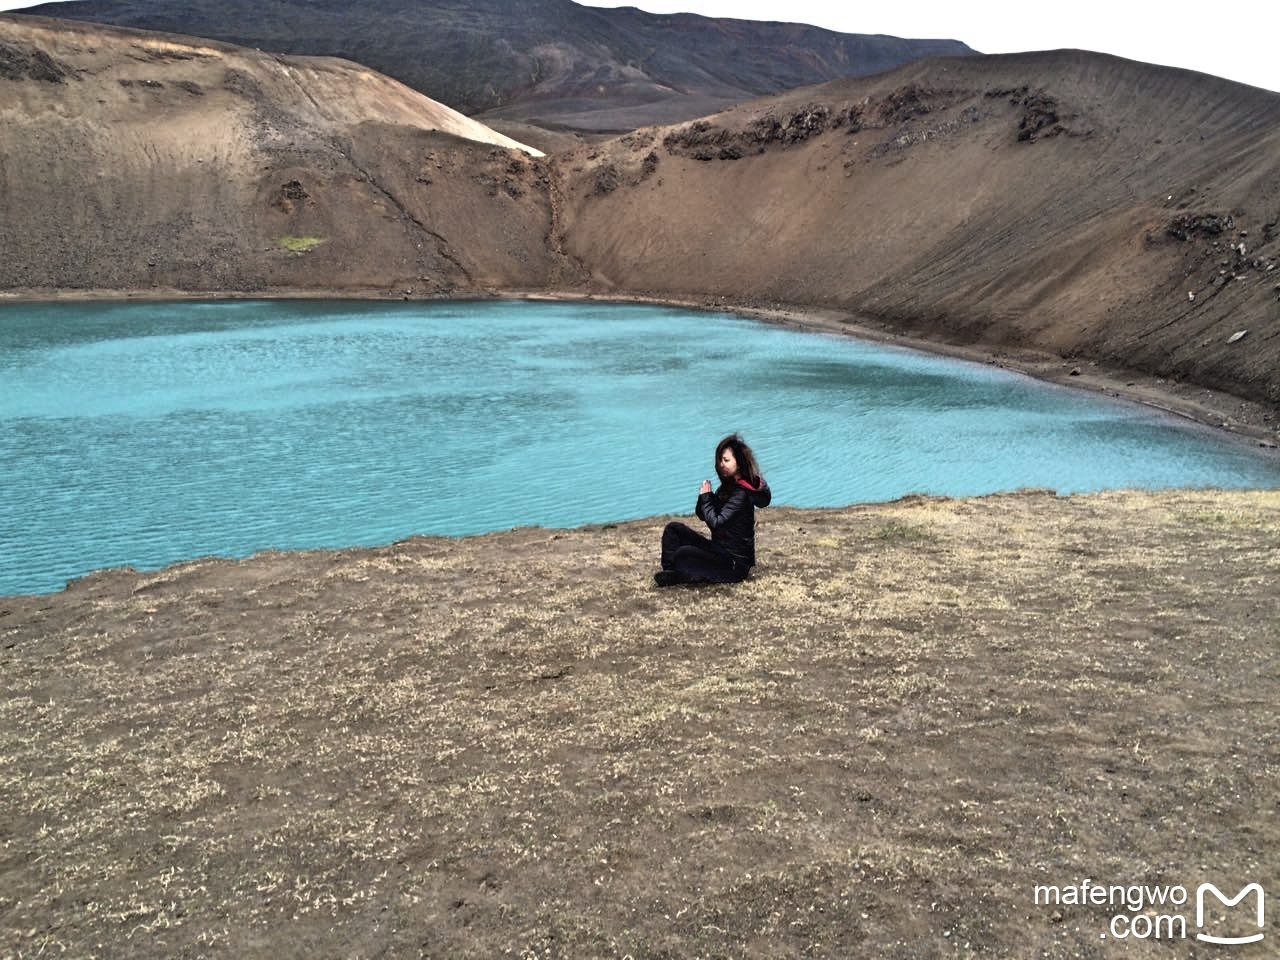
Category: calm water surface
<point>142,434</point>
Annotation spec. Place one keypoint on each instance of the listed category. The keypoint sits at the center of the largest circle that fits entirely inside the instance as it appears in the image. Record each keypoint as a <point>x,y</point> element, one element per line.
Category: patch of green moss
<point>300,244</point>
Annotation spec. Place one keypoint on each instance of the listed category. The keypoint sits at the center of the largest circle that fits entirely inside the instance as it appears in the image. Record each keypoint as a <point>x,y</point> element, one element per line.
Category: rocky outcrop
<point>903,110</point>
<point>23,61</point>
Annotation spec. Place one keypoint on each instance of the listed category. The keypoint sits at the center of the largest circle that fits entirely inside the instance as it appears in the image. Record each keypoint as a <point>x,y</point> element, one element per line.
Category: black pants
<point>697,557</point>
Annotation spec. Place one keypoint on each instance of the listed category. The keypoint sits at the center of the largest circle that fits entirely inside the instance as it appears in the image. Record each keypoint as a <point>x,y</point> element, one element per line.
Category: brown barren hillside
<point>1065,203</point>
<point>142,161</point>
<point>1070,202</point>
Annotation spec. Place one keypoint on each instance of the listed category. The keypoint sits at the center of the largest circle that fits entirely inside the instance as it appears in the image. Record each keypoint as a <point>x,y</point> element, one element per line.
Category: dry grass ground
<point>515,745</point>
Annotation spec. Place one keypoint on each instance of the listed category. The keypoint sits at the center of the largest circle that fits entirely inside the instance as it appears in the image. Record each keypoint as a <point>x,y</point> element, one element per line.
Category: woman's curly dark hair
<point>748,469</point>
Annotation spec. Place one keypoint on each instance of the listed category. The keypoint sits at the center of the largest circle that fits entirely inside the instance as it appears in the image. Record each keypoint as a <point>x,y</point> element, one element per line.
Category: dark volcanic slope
<point>551,61</point>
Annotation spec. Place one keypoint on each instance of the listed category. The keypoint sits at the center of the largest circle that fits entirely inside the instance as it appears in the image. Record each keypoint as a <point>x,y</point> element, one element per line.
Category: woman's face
<point>728,465</point>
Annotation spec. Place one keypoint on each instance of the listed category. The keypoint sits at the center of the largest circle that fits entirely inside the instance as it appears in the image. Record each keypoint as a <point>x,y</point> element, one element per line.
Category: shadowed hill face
<point>552,61</point>
<point>1069,202</point>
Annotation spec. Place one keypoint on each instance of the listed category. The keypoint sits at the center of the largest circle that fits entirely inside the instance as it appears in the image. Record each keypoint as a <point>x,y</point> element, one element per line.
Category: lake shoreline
<point>1247,421</point>
<point>801,383</point>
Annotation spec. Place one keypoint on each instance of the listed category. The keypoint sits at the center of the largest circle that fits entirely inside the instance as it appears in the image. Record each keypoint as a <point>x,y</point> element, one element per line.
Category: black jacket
<point>730,513</point>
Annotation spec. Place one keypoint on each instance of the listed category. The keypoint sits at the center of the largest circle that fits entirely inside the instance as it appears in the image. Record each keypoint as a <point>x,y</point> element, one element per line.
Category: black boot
<point>669,578</point>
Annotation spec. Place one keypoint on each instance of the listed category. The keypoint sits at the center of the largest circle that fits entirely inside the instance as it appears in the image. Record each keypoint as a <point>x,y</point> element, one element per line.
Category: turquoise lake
<point>143,434</point>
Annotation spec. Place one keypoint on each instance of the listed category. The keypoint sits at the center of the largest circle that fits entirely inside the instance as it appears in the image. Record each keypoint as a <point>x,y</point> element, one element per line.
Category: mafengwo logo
<point>1145,912</point>
<point>1253,888</point>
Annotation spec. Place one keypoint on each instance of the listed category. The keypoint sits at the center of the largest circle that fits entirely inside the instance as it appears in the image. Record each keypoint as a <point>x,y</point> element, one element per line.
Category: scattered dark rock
<point>719,813</point>
<point>290,194</point>
<point>795,127</point>
<point>1039,119</point>
<point>1015,94</point>
<point>703,140</point>
<point>905,103</point>
<point>19,62</point>
<point>242,84</point>
<point>689,136</point>
<point>649,165</point>
<point>606,180</point>
<point>1202,225</point>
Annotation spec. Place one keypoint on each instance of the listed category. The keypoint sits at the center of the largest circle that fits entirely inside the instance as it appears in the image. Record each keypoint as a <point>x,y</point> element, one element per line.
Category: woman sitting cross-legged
<point>728,555</point>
